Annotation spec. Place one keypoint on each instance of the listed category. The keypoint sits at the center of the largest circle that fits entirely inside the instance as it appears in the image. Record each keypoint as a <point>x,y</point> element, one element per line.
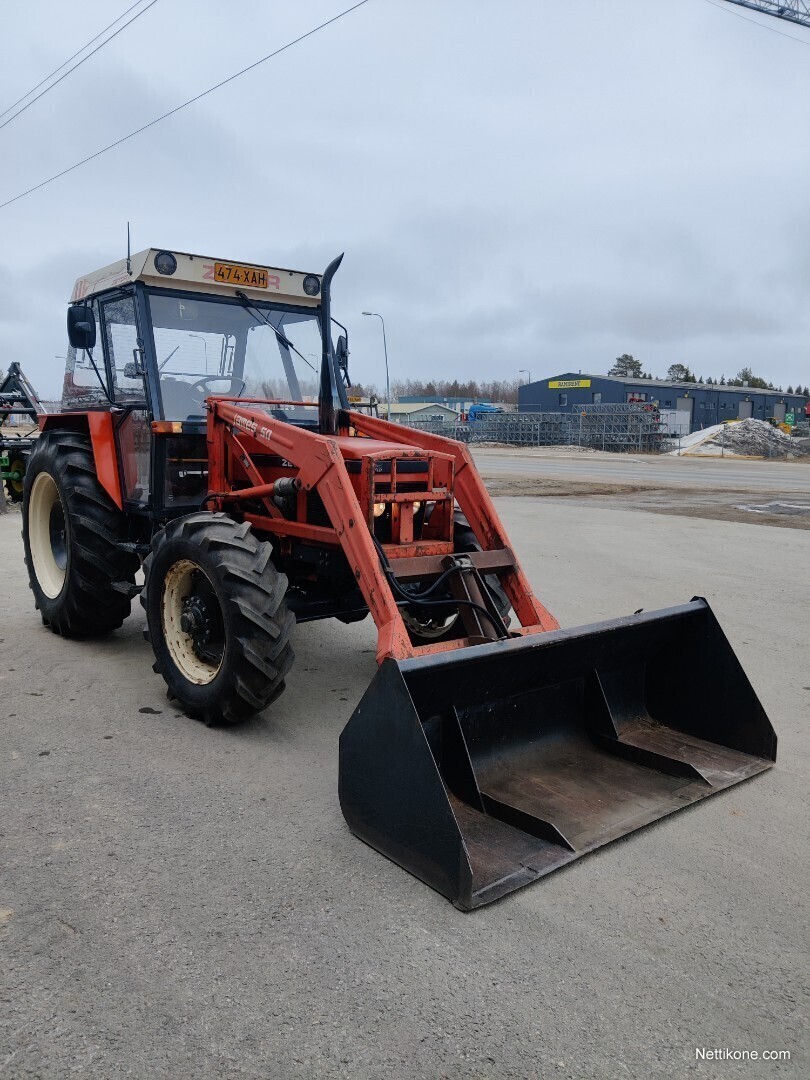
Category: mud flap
<point>482,769</point>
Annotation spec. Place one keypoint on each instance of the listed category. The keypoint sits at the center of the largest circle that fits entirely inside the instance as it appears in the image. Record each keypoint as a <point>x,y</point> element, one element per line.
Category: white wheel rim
<point>44,512</point>
<point>177,587</point>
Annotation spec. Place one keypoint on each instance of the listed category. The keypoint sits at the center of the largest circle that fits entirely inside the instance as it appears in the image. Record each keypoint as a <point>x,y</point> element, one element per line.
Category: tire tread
<point>259,620</point>
<point>90,606</point>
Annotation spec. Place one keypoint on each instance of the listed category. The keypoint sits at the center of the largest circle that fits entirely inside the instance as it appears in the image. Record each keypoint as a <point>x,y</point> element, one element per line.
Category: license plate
<point>233,274</point>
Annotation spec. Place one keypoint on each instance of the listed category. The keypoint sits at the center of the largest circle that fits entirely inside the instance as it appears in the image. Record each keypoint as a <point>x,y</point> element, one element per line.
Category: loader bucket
<point>482,769</point>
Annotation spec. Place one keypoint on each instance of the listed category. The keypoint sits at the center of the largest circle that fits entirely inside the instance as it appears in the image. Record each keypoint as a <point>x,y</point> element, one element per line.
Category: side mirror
<point>342,357</point>
<point>134,369</point>
<point>81,327</point>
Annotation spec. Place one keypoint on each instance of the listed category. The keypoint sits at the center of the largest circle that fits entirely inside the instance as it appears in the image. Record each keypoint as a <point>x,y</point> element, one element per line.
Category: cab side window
<point>121,340</point>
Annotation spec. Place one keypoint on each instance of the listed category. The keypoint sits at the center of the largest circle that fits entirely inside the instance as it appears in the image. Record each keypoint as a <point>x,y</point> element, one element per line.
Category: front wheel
<point>217,619</point>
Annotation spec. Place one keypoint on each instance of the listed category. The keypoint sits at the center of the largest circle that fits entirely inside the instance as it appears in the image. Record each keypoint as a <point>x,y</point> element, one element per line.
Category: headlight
<point>379,509</point>
<point>417,506</point>
<point>312,285</point>
<point>165,263</point>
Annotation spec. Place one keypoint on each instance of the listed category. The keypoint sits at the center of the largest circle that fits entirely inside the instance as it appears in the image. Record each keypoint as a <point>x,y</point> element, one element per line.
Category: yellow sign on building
<point>568,384</point>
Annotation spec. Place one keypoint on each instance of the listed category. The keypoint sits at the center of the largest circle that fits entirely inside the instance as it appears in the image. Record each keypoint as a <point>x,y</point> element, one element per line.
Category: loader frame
<point>240,432</point>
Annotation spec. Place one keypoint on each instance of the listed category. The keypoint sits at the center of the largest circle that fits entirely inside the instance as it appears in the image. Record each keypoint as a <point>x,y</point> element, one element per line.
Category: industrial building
<point>685,407</point>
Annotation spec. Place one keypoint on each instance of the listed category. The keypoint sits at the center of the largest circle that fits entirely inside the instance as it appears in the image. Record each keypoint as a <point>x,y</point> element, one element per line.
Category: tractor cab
<point>153,336</point>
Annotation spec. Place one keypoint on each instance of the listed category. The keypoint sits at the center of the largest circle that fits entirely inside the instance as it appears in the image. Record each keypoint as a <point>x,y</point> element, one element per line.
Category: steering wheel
<point>196,387</point>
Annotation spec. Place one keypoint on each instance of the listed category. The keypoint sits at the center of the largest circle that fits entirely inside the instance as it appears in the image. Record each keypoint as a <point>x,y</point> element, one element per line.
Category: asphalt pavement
<point>726,474</point>
<point>177,901</point>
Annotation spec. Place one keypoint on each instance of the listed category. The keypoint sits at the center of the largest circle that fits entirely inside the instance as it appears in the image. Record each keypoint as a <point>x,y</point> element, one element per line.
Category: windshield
<point>217,347</point>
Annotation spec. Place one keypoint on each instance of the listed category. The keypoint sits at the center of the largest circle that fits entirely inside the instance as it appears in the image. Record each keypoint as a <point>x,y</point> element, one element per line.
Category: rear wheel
<point>217,619</point>
<point>428,626</point>
<point>81,578</point>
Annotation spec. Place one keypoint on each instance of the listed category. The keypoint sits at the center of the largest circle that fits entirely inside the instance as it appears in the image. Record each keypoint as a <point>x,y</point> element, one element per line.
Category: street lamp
<point>387,381</point>
<point>525,371</point>
<point>205,346</point>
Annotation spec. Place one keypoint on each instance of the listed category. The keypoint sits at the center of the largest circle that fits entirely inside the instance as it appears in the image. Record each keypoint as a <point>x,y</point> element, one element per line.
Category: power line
<point>756,22</point>
<point>190,101</point>
<point>78,53</point>
<point>42,93</point>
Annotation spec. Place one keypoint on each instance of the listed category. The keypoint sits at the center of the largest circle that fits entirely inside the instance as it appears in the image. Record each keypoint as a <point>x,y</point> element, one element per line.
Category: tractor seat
<point>178,402</point>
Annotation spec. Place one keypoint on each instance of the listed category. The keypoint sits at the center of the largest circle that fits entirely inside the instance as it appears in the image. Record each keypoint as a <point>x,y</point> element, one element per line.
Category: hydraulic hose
<point>418,598</point>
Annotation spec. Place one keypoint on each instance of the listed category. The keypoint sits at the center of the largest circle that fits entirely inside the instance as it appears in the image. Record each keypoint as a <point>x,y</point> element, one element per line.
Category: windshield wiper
<point>257,315</point>
<point>89,354</point>
<point>163,364</point>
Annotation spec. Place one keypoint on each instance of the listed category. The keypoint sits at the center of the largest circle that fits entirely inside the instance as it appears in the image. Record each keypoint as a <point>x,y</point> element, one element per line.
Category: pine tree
<point>680,373</point>
<point>626,364</point>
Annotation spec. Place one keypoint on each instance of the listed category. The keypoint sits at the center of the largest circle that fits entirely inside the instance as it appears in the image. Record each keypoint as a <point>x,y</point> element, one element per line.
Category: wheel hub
<point>195,620</point>
<point>57,531</point>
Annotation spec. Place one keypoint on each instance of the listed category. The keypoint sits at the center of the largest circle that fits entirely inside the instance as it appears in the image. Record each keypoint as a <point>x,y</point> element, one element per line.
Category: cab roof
<point>198,273</point>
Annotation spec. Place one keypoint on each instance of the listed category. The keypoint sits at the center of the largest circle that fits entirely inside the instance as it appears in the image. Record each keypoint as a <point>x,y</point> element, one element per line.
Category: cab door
<point>122,347</point>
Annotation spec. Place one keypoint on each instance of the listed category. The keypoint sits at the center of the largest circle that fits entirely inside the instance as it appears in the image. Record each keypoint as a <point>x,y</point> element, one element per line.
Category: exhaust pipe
<point>329,403</point>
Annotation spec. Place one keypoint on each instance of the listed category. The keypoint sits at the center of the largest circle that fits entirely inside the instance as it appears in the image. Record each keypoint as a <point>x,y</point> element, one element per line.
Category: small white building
<point>420,411</point>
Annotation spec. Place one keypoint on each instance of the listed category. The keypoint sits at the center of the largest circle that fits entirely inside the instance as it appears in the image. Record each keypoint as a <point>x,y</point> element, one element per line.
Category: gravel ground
<point>722,489</point>
<point>184,902</point>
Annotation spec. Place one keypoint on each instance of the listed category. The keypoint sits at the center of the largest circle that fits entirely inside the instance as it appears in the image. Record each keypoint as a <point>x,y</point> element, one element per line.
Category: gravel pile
<point>747,438</point>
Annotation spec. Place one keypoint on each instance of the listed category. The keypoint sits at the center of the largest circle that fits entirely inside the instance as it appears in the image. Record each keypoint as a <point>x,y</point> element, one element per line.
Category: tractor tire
<point>82,579</point>
<point>15,488</point>
<point>430,631</point>
<point>217,619</point>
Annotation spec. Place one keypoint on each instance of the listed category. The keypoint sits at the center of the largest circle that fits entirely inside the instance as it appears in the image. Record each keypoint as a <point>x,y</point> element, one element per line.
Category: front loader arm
<point>320,467</point>
<point>236,432</point>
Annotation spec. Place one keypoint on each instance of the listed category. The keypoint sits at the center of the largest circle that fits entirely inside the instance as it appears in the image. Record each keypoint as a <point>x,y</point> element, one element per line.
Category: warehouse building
<point>684,407</point>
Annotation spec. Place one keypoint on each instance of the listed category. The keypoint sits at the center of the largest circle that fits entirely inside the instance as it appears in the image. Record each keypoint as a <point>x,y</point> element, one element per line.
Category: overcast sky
<point>538,185</point>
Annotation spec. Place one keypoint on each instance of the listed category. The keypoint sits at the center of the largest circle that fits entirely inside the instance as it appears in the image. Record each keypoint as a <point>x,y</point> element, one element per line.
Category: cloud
<point>537,186</point>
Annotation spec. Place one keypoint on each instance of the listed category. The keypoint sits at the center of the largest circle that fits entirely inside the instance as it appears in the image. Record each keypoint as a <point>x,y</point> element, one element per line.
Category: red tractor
<point>206,435</point>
